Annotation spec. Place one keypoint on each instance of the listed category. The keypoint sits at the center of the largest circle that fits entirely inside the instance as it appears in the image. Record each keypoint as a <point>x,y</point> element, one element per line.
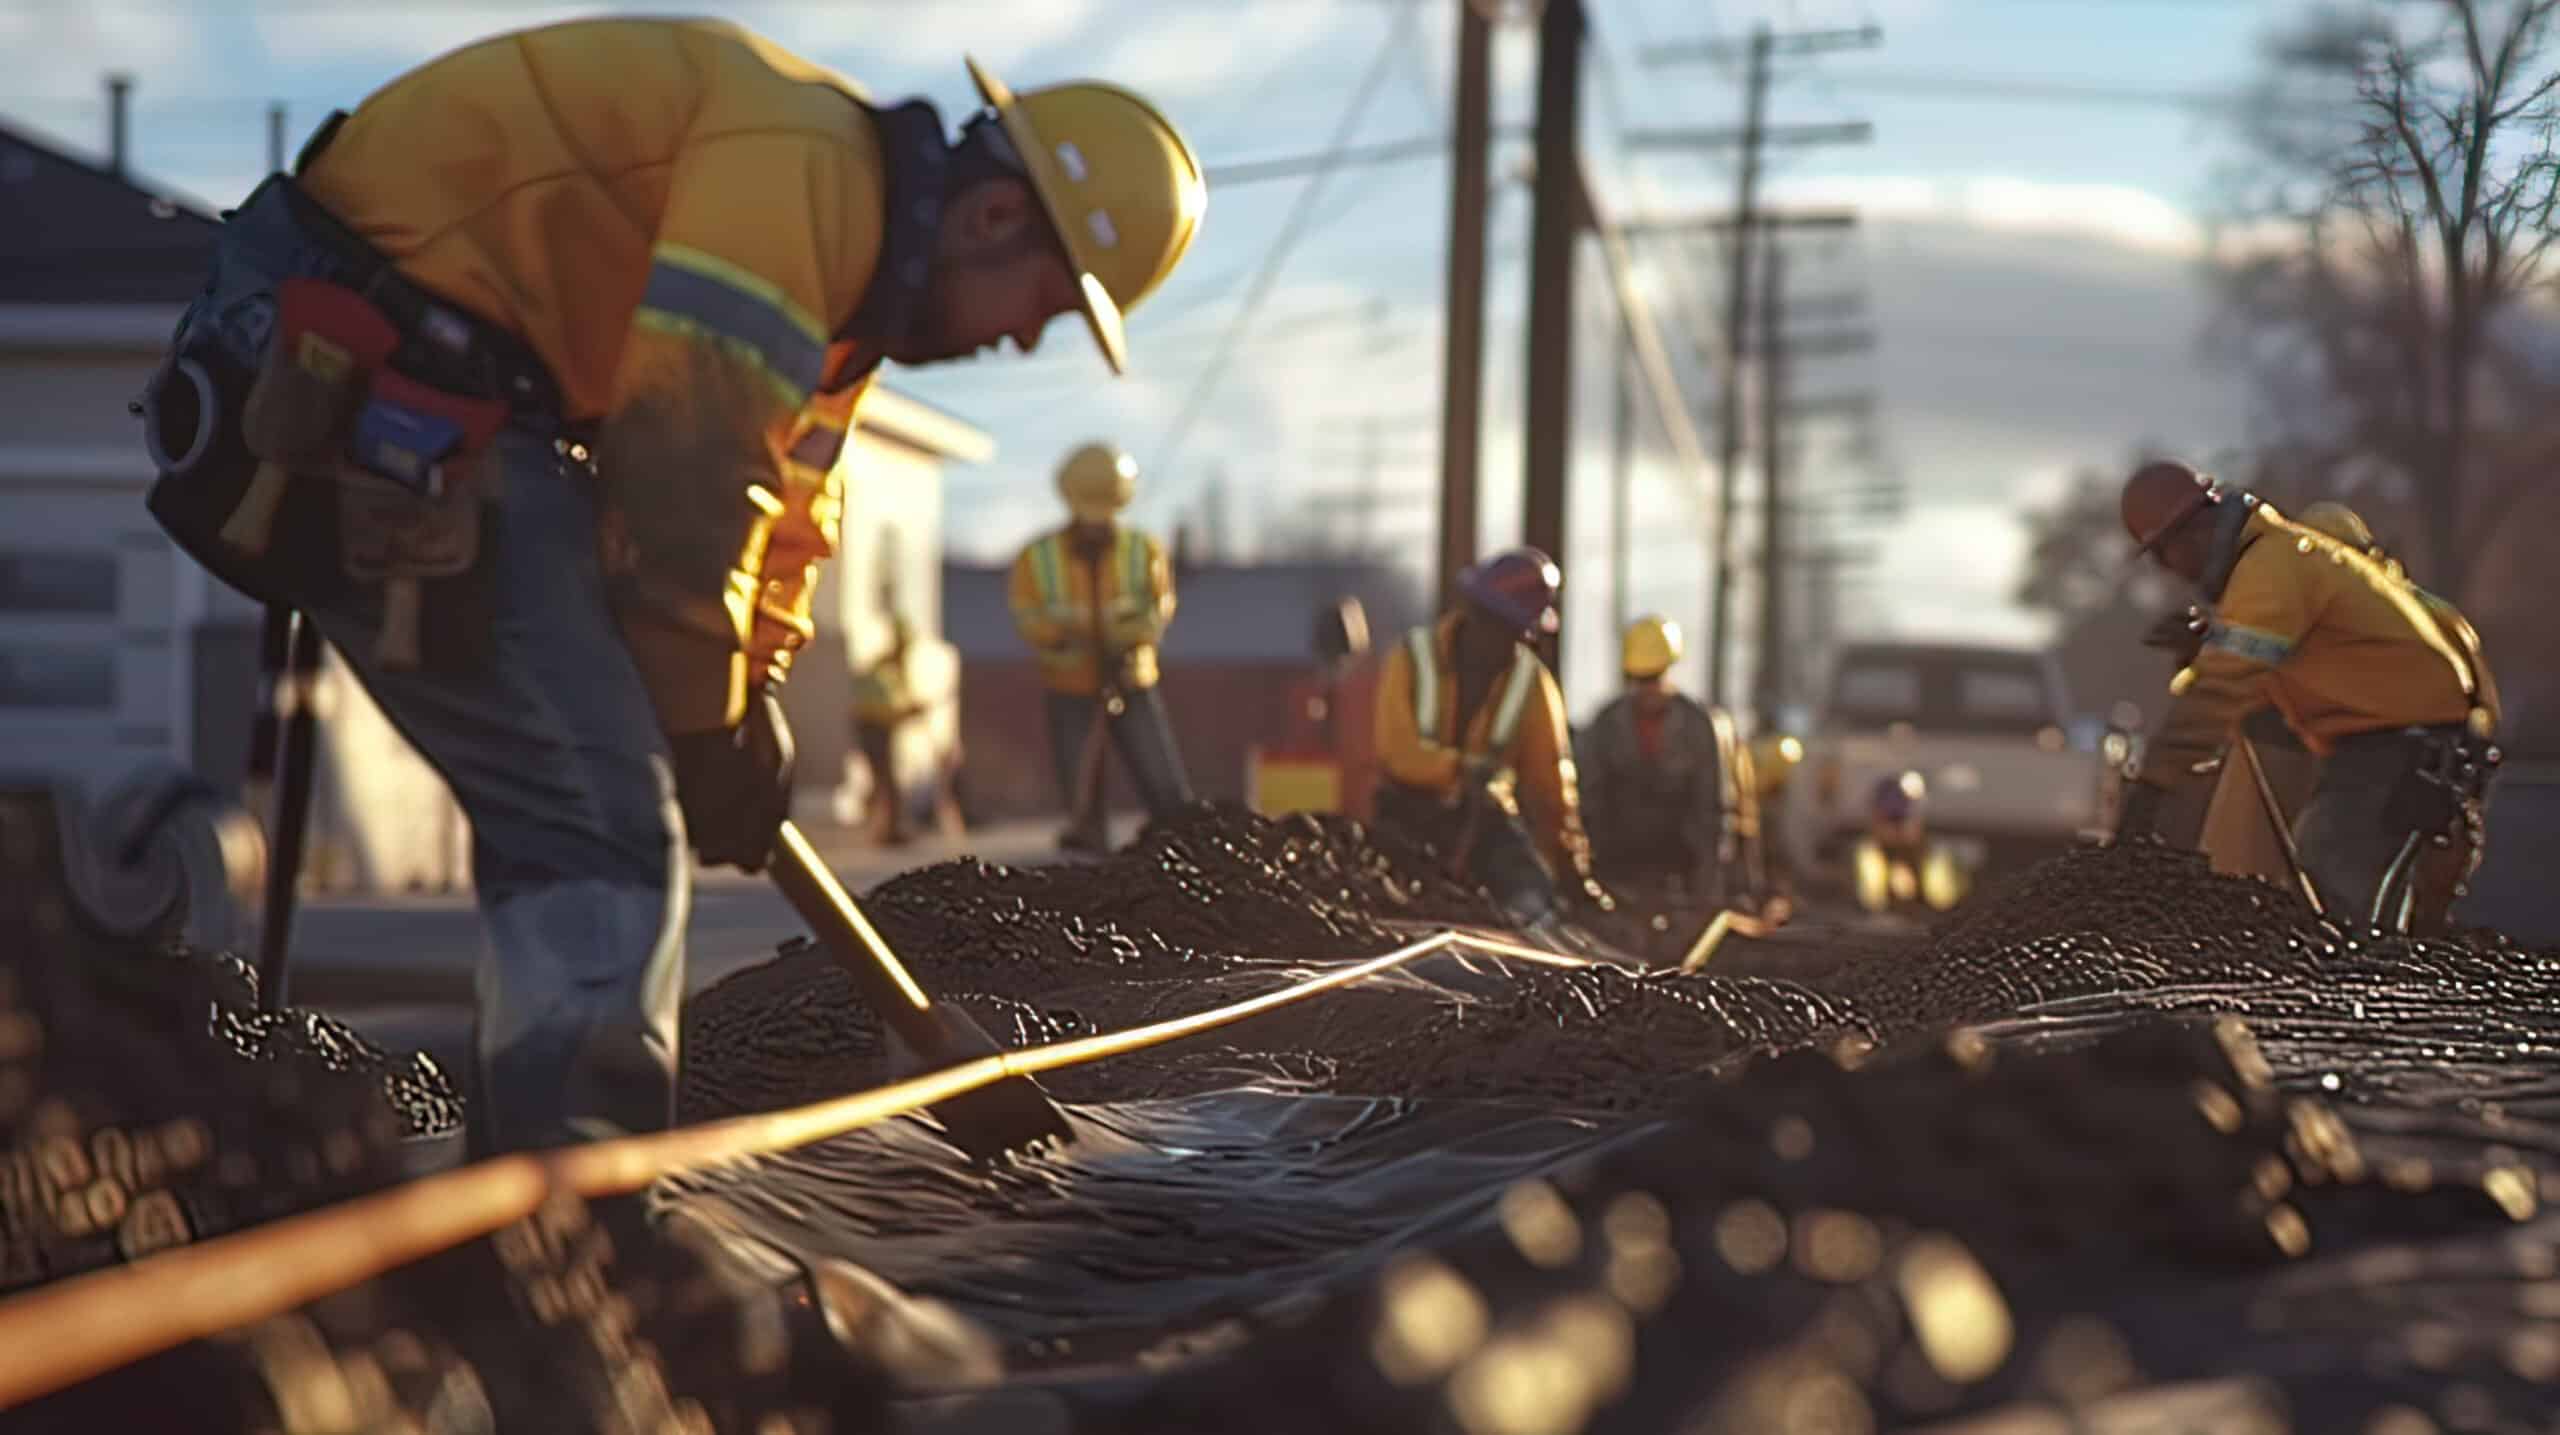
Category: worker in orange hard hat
<point>2391,692</point>
<point>529,386</point>
<point>1093,599</point>
<point>1662,777</point>
<point>1478,758</point>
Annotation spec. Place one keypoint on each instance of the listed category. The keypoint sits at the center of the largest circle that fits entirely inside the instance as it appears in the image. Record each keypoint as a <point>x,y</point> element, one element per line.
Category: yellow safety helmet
<point>1650,647</point>
<point>1097,481</point>
<point>2338,521</point>
<point>1119,184</point>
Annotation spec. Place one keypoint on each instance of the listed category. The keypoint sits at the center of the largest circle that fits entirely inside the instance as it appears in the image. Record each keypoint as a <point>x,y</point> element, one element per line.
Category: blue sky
<point>2031,268</point>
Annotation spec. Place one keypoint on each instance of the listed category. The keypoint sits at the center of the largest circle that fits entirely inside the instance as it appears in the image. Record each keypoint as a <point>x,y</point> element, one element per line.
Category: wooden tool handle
<point>838,923</point>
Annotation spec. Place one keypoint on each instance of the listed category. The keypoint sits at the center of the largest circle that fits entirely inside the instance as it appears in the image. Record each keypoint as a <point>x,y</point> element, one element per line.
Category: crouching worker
<point>1658,773</point>
<point>528,388</point>
<point>2384,683</point>
<point>1472,740</point>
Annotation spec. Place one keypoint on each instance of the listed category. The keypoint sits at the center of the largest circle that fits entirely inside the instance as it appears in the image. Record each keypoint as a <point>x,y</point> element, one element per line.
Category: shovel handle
<point>849,937</point>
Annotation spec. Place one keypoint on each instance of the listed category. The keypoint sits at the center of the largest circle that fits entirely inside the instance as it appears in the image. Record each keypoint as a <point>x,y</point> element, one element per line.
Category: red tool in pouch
<point>409,497</point>
<point>328,341</point>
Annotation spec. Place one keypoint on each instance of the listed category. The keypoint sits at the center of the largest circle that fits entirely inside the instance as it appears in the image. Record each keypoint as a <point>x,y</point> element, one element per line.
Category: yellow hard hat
<point>1119,183</point>
<point>1097,481</point>
<point>2339,522</point>
<point>1651,646</point>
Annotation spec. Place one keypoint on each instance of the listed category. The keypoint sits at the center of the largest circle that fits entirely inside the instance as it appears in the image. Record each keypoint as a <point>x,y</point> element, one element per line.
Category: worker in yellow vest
<point>1477,756</point>
<point>1093,600</point>
<point>884,703</point>
<point>528,387</point>
<point>2388,689</point>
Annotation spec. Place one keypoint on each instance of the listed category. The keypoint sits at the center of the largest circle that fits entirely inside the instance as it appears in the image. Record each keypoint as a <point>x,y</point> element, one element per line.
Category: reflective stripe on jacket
<point>1520,724</point>
<point>1051,593</point>
<point>2338,643</point>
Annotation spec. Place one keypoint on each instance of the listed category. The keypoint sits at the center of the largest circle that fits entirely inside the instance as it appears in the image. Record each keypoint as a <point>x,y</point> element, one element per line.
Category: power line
<point>1292,230</point>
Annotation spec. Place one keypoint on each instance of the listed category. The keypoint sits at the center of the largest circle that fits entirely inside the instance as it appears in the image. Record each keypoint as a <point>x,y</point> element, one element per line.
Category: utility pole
<point>275,138</point>
<point>1737,310</point>
<point>1622,475</point>
<point>1771,689</point>
<point>1213,519</point>
<point>1555,228</point>
<point>1753,135</point>
<point>1462,364</point>
<point>1372,441</point>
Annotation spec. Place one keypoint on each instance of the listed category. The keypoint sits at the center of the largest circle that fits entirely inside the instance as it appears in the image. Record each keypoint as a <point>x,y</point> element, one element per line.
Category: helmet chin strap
<point>2230,521</point>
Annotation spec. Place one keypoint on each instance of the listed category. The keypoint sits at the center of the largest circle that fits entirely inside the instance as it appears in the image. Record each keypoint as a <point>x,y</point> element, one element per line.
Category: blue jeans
<point>551,745</point>
<point>1144,736</point>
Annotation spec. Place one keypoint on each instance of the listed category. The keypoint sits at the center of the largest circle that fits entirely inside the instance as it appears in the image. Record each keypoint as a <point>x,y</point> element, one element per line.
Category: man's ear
<point>992,213</point>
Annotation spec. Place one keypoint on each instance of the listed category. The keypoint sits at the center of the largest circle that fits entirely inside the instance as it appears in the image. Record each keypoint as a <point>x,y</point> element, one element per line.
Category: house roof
<point>82,234</point>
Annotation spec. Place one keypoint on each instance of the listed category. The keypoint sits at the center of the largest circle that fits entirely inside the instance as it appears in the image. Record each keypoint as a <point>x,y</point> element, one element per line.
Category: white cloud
<point>69,45</point>
<point>394,38</point>
<point>2121,215</point>
<point>1202,51</point>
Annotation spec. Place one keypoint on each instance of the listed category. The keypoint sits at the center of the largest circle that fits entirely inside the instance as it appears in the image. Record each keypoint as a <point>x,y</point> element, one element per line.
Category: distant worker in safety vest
<point>1093,600</point>
<point>529,386</point>
<point>1658,775</point>
<point>2387,688</point>
<point>1472,736</point>
<point>885,702</point>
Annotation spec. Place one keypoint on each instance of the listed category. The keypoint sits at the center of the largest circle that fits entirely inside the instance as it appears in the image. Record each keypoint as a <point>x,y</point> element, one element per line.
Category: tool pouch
<point>411,489</point>
<point>301,407</point>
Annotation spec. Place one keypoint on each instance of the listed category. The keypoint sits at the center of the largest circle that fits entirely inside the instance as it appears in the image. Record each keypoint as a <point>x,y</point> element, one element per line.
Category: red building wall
<point>1218,712</point>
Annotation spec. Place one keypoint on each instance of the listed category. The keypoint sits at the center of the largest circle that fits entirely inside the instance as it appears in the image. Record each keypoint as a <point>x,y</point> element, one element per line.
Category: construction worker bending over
<point>529,386</point>
<point>1658,775</point>
<point>2388,688</point>
<point>1471,734</point>
<point>1093,600</point>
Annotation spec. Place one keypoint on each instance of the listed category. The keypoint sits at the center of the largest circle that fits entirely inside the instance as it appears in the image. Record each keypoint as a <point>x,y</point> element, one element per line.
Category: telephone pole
<point>1752,137</point>
<point>1773,514</point>
<point>1555,229</point>
<point>1462,363</point>
<point>1737,310</point>
<point>275,138</point>
<point>1622,474</point>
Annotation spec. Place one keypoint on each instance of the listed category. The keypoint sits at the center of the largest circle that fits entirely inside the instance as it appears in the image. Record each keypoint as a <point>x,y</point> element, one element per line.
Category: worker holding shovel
<point>2385,684</point>
<point>1093,600</point>
<point>527,388</point>
<point>1471,733</point>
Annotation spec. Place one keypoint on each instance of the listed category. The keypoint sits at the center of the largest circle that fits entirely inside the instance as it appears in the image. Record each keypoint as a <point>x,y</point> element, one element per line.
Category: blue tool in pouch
<point>405,444</point>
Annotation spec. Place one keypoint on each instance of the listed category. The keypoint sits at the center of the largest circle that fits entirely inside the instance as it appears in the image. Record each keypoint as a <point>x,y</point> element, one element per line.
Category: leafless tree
<point>2409,155</point>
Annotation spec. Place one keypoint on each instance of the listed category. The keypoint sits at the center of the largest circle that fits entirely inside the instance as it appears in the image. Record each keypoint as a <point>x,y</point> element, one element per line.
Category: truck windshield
<point>1940,692</point>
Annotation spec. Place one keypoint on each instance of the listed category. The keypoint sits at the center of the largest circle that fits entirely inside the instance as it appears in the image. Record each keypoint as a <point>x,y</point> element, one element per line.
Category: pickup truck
<point>2012,775</point>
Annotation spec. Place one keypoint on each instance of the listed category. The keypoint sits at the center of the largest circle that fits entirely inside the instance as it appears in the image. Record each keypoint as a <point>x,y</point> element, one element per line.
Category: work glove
<point>734,784</point>
<point>2182,633</point>
<point>2139,812</point>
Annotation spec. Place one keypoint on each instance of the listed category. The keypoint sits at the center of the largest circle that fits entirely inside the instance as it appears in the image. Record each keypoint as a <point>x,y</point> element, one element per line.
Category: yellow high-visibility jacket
<point>2338,643</point>
<point>680,218</point>
<point>1520,724</point>
<point>1053,595</point>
